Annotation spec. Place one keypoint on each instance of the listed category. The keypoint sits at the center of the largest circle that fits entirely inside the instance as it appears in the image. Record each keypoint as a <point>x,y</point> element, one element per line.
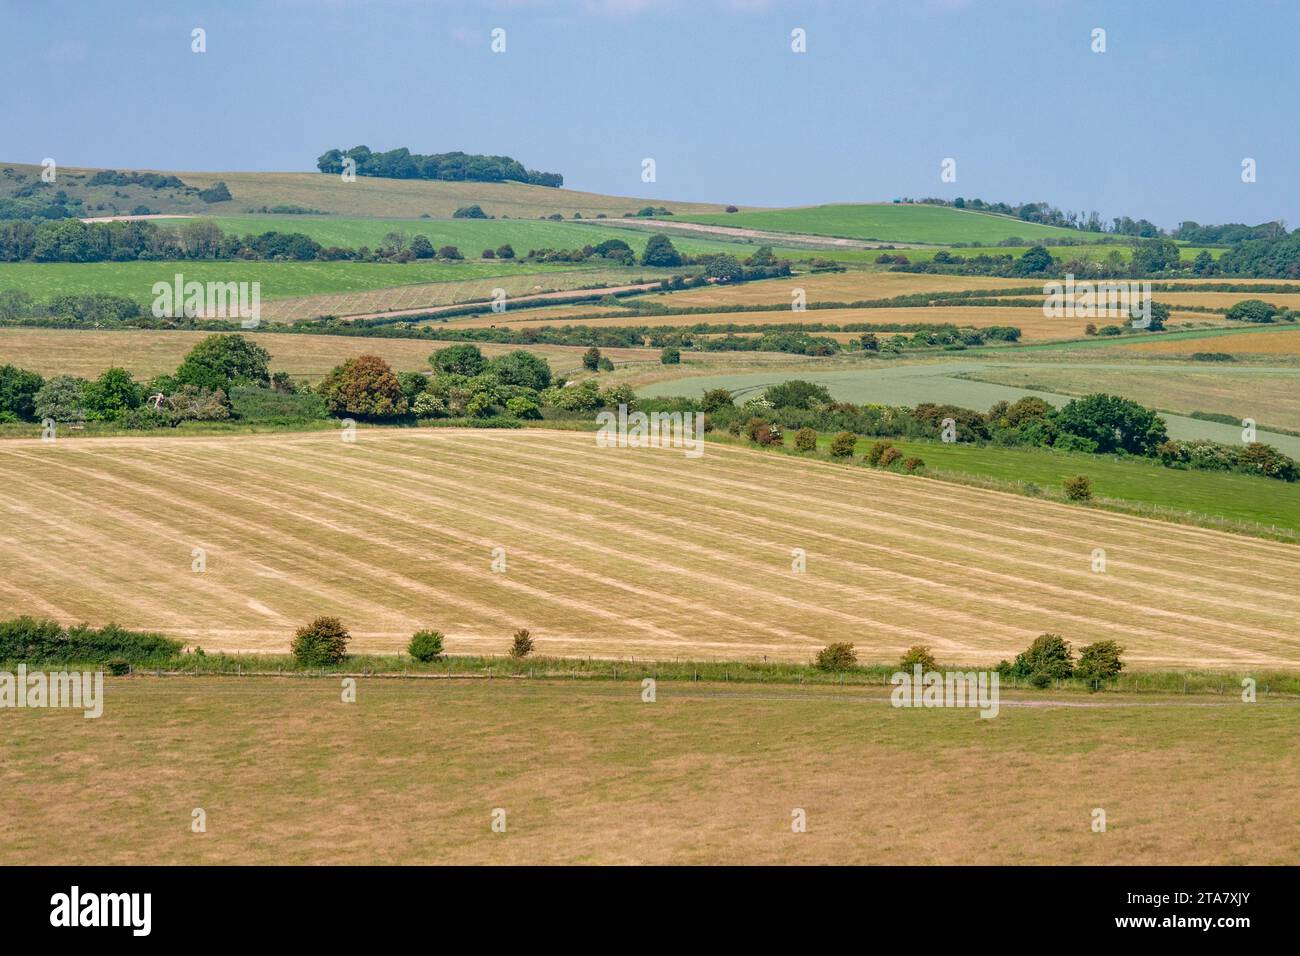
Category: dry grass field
<point>408,198</point>
<point>148,353</point>
<point>1225,300</point>
<point>1033,325</point>
<point>1274,341</point>
<point>610,552</point>
<point>433,294</point>
<point>586,773</point>
<point>848,286</point>
<point>378,197</point>
<point>1271,397</point>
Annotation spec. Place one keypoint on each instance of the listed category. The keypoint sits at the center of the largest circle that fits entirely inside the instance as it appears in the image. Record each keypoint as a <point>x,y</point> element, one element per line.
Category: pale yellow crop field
<point>1033,325</point>
<point>849,286</point>
<point>1265,341</point>
<point>144,354</point>
<point>610,552</point>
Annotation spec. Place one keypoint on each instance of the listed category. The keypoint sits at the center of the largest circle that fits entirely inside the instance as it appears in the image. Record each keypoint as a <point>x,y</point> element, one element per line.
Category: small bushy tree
<point>364,386</point>
<point>220,361</point>
<point>522,368</point>
<point>889,456</point>
<point>837,657</point>
<point>321,643</point>
<point>716,399</point>
<point>1048,655</point>
<point>18,390</point>
<point>461,359</point>
<point>659,251</point>
<point>1253,310</point>
<point>111,395</point>
<point>842,444</point>
<point>805,439</point>
<point>1100,661</point>
<point>425,646</point>
<point>1078,488</point>
<point>876,452</point>
<point>522,645</point>
<point>62,399</point>
<point>918,654</point>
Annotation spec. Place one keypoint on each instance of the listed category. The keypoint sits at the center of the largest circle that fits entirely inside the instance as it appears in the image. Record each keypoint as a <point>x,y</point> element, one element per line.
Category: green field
<point>1270,396</point>
<point>889,222</point>
<point>887,383</point>
<point>472,236</point>
<point>1095,251</point>
<point>1243,498</point>
<point>280,280</point>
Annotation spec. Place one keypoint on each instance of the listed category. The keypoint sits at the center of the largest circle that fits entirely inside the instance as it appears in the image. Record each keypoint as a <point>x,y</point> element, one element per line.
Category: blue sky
<point>1155,127</point>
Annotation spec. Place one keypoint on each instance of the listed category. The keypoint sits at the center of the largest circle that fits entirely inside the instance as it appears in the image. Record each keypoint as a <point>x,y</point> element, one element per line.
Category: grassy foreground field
<point>610,552</point>
<point>413,770</point>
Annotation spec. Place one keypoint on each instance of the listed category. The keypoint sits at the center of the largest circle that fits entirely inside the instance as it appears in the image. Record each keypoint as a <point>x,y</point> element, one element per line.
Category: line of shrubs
<point>199,390</point>
<point>227,377</point>
<point>324,643</point>
<point>1049,658</point>
<point>1097,423</point>
<point>40,640</point>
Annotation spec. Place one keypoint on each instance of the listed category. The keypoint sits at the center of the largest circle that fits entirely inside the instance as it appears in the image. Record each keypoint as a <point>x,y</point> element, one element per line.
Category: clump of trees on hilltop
<point>401,163</point>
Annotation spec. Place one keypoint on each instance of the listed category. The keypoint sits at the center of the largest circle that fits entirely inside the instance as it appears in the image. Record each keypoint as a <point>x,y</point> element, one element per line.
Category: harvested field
<point>429,295</point>
<point>586,773</point>
<point>1033,325</point>
<point>1283,341</point>
<point>631,552</point>
<point>1225,300</point>
<point>848,286</point>
<point>146,354</point>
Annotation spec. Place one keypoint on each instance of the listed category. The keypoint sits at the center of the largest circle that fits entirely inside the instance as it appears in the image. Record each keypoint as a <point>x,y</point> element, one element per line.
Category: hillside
<point>891,222</point>
<point>367,196</point>
<point>604,560</point>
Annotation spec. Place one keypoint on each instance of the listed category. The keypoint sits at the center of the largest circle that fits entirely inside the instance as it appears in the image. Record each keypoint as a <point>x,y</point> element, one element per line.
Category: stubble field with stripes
<point>608,552</point>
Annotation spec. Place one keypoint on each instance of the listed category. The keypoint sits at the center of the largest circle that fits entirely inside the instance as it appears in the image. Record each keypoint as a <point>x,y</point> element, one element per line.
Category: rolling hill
<point>612,552</point>
<point>327,193</point>
<point>889,222</point>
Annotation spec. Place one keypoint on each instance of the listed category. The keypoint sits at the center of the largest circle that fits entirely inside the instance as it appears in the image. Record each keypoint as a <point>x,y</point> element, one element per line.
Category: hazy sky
<point>1155,127</point>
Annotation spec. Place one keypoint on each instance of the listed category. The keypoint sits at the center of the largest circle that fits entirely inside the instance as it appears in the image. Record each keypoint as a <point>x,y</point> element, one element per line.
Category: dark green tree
<point>1113,423</point>
<point>461,359</point>
<point>220,361</point>
<point>659,251</point>
<point>522,368</point>
<point>18,388</point>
